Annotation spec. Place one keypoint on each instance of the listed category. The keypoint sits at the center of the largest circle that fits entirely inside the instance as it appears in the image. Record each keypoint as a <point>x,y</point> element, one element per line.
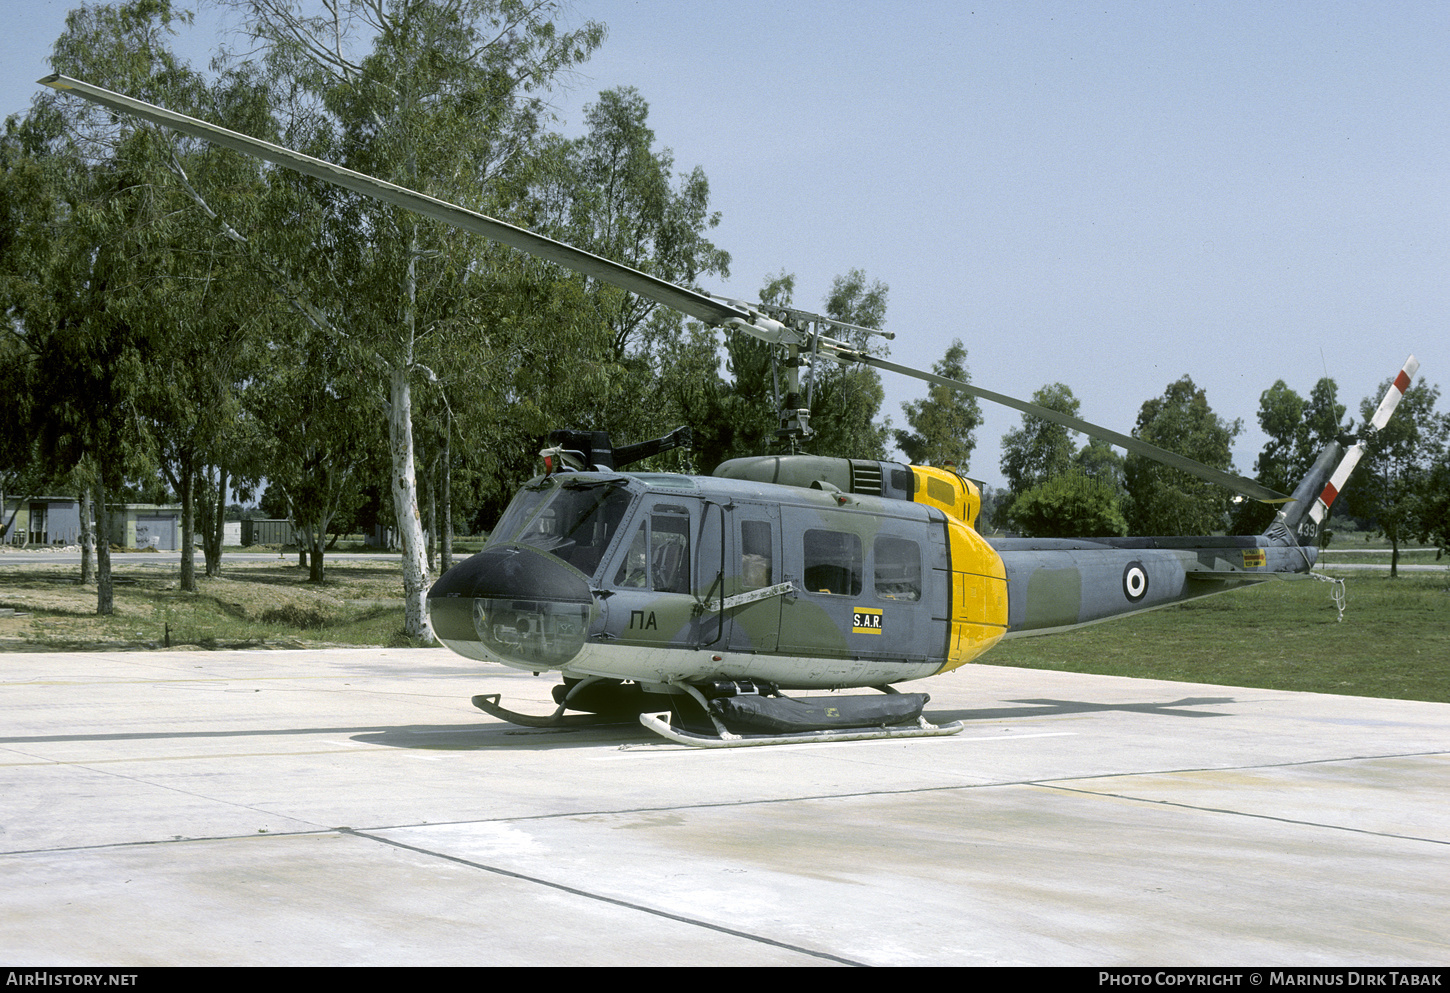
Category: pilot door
<point>671,551</point>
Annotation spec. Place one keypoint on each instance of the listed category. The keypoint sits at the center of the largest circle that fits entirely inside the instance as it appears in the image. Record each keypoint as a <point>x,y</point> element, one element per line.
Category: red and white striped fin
<point>1351,458</point>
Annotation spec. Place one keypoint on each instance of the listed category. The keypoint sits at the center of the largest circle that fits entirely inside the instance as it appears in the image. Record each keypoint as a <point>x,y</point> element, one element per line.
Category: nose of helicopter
<point>513,604</point>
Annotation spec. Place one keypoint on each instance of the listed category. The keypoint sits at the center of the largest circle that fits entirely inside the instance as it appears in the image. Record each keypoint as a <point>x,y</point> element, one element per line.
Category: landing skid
<point>490,705</point>
<point>727,740</point>
<point>758,719</point>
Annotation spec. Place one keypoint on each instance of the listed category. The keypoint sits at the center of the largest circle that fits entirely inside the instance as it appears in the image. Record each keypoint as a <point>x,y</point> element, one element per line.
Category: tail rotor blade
<point>1394,393</point>
<point>1381,417</point>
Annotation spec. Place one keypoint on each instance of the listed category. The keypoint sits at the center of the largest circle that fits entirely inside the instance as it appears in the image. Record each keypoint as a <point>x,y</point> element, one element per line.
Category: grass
<point>1328,557</point>
<point>252,605</point>
<point>1394,640</point>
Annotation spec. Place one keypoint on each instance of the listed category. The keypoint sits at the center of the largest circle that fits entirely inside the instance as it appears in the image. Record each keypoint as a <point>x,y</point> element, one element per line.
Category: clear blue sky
<point>1106,195</point>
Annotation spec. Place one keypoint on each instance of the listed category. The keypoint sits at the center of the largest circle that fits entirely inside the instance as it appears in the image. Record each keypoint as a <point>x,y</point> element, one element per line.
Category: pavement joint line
<point>369,835</point>
<point>1240,813</point>
<point>600,897</point>
<point>1048,784</point>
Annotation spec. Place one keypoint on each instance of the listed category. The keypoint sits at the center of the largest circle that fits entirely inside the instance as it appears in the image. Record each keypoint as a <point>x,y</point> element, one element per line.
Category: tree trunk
<point>88,538</point>
<point>447,544</point>
<point>104,603</point>
<point>405,506</point>
<point>187,479</point>
<point>430,534</point>
<point>405,478</point>
<point>317,539</point>
<point>214,527</point>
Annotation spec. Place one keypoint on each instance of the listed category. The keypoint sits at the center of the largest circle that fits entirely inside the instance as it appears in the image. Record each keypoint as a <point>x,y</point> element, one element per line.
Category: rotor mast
<point>793,410</point>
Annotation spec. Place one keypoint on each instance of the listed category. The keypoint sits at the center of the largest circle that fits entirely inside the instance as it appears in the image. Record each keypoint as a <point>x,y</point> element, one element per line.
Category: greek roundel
<point>1135,582</point>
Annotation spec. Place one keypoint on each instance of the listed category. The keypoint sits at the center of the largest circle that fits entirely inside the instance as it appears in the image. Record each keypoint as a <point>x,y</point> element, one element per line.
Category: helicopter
<point>710,597</point>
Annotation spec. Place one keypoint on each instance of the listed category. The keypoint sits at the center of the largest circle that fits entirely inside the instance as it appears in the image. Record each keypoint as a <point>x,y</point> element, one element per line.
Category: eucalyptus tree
<point>1297,430</point>
<point>741,413</point>
<point>612,192</point>
<point>21,467</point>
<point>848,398</point>
<point>945,421</point>
<point>1056,489</point>
<point>1395,483</point>
<point>93,298</point>
<point>213,345</point>
<point>1168,501</point>
<point>319,440</point>
<point>439,96</point>
<point>1040,450</point>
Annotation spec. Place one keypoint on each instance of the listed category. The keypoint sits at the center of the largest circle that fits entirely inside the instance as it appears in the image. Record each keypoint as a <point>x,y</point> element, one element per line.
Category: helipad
<point>351,807</point>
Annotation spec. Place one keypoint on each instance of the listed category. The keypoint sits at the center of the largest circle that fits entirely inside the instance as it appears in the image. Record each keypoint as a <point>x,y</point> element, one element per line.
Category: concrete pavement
<point>351,807</point>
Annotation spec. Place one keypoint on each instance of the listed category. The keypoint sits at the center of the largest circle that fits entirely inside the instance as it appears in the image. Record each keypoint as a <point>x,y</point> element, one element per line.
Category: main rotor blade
<point>700,305</point>
<point>1136,445</point>
<point>712,310</point>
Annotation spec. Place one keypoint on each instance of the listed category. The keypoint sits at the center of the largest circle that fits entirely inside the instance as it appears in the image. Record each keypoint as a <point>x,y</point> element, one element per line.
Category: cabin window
<point>659,554</point>
<point>756,565</point>
<point>833,563</point>
<point>897,568</point>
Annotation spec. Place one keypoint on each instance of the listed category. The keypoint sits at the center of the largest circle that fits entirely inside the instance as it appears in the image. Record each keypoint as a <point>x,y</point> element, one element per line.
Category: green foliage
<point>846,399</point>
<point>1397,483</point>
<point>1057,490</point>
<point>944,423</point>
<point>1098,461</point>
<point>1069,505</point>
<point>322,434</point>
<point>1434,511</point>
<point>1298,430</point>
<point>1040,450</point>
<point>611,192</point>
<point>96,279</point>
<point>1166,501</point>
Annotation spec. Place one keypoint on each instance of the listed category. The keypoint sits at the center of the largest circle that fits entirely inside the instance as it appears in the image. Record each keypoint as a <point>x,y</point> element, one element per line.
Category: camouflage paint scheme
<point>801,571</point>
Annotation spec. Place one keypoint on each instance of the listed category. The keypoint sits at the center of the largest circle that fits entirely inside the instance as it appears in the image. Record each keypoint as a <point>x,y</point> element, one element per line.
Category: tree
<point>436,96</point>
<point>1099,462</point>
<point>1069,505</point>
<point>91,265</point>
<point>1055,489</point>
<point>846,399</point>
<point>1434,516</point>
<point>1298,430</point>
<point>944,423</point>
<point>319,440</point>
<point>1393,484</point>
<point>614,194</point>
<point>1168,501</point>
<point>1040,450</point>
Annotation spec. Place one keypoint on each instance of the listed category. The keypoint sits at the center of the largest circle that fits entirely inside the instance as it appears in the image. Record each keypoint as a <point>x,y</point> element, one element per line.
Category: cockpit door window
<point>659,553</point>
